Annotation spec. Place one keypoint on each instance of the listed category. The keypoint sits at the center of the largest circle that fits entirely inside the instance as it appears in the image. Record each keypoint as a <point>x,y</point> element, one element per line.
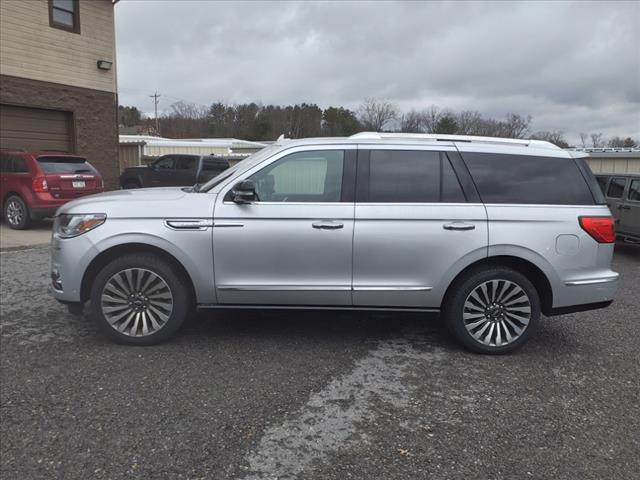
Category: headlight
<point>67,226</point>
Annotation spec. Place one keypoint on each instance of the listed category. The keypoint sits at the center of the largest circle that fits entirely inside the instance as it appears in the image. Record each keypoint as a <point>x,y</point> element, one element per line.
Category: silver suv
<point>489,232</point>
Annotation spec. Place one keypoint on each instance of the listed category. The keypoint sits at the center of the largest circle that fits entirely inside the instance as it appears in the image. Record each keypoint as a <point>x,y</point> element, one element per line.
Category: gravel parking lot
<point>325,395</point>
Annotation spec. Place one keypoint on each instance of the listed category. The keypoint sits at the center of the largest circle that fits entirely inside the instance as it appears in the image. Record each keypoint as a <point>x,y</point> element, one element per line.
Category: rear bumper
<point>45,204</point>
<point>585,293</point>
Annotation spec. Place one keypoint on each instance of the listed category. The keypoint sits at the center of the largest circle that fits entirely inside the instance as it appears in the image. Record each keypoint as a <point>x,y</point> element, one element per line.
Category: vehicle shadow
<point>314,325</point>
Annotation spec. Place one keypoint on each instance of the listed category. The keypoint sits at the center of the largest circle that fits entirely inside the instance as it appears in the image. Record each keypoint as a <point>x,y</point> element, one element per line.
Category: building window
<point>65,14</point>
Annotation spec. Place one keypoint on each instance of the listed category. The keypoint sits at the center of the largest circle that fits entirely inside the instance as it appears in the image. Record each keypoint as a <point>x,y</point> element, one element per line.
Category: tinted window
<point>407,176</point>
<point>186,163</point>
<point>602,182</point>
<point>616,187</point>
<point>166,163</point>
<point>65,165</point>
<point>524,179</point>
<point>5,163</point>
<point>634,191</point>
<point>314,176</point>
<point>13,164</point>
<point>214,165</point>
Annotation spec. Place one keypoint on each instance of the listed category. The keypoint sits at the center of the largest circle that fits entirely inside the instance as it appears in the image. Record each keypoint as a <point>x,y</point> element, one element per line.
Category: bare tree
<point>515,126</point>
<point>596,140</point>
<point>430,118</point>
<point>468,122</point>
<point>584,137</point>
<point>556,137</point>
<point>412,122</point>
<point>375,114</point>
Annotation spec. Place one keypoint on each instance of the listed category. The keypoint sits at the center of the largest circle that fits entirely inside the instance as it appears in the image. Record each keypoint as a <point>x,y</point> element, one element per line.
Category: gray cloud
<point>573,66</point>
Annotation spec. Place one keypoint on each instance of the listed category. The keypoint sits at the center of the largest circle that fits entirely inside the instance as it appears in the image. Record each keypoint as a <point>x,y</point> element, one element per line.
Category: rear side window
<point>634,191</point>
<point>616,187</point>
<point>13,164</point>
<point>65,165</point>
<point>525,179</point>
<point>408,176</point>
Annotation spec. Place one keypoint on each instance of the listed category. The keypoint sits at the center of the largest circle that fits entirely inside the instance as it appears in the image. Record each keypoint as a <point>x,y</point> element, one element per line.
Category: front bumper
<point>70,258</point>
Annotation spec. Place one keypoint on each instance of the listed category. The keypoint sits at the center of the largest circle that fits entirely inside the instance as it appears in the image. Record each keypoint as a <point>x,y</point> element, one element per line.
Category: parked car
<point>34,184</point>
<point>173,170</point>
<point>622,192</point>
<point>489,232</point>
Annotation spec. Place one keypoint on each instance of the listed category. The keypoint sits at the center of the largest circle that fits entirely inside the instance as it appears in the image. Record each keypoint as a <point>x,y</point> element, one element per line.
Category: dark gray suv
<point>173,171</point>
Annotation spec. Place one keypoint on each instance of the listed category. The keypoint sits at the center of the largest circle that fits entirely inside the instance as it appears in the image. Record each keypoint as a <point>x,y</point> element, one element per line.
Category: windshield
<point>245,164</point>
<point>65,165</point>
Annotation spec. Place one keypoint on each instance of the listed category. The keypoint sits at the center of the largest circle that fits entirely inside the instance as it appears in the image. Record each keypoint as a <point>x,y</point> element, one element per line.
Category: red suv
<point>34,184</point>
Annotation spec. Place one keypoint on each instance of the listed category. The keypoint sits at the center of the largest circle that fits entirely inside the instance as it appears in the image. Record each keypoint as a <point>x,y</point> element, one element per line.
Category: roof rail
<point>454,138</point>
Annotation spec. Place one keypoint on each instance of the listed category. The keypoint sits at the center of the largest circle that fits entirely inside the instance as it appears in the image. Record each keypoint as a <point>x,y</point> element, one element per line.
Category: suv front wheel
<point>493,310</point>
<point>139,299</point>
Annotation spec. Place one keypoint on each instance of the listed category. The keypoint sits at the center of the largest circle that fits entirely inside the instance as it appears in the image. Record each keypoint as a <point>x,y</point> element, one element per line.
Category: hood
<point>172,202</point>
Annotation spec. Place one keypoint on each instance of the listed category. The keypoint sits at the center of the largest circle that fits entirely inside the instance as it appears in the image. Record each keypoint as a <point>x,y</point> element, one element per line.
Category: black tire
<point>182,301</point>
<point>16,213</point>
<point>131,184</point>
<point>454,310</point>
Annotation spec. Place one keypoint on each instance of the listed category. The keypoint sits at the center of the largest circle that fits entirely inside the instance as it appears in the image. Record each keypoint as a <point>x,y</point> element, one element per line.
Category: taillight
<point>40,185</point>
<point>602,229</point>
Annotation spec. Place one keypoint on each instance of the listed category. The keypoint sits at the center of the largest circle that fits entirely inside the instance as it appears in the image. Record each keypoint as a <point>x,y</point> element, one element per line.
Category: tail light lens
<point>602,229</point>
<point>40,185</point>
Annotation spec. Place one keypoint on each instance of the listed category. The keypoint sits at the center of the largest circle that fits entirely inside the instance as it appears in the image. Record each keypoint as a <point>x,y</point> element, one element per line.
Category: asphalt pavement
<point>323,395</point>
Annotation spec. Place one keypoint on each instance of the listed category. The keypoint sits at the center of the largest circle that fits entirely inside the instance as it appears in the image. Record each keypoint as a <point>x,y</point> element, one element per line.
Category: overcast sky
<point>572,66</point>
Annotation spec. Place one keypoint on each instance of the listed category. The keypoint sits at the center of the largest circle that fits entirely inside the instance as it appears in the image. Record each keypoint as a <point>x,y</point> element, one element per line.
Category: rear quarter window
<point>528,179</point>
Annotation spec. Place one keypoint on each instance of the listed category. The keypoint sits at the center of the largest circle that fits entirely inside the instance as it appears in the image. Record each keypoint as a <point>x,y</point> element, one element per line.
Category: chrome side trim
<point>228,224</point>
<point>315,288</point>
<point>592,281</point>
<point>357,308</point>
<point>391,289</point>
<point>188,224</point>
<point>283,288</point>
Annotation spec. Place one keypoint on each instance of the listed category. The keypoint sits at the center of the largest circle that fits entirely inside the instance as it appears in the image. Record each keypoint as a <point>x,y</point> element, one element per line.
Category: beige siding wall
<point>30,48</point>
<point>617,165</point>
<point>156,151</point>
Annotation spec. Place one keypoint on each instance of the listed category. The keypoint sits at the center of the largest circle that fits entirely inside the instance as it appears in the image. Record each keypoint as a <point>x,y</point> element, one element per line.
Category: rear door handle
<point>459,226</point>
<point>624,207</point>
<point>327,225</point>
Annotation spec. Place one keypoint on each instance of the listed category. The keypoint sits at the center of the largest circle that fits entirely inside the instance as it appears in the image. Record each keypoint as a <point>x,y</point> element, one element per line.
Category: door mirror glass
<point>244,192</point>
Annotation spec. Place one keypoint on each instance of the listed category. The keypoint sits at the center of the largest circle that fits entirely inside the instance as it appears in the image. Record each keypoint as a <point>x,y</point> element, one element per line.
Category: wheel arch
<point>106,256</point>
<point>527,268</point>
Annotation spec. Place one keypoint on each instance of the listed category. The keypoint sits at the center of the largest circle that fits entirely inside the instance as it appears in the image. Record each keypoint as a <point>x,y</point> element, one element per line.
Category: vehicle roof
<point>39,153</point>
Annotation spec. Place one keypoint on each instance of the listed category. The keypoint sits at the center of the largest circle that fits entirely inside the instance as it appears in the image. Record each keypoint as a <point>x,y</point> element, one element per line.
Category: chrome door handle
<point>327,225</point>
<point>459,226</point>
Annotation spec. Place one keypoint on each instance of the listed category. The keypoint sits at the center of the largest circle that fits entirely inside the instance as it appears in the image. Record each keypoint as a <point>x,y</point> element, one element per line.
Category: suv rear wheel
<point>16,213</point>
<point>493,310</point>
<point>139,300</point>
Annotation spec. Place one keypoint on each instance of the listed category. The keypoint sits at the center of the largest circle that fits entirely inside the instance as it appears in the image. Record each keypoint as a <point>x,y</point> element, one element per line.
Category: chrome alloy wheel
<point>15,213</point>
<point>137,302</point>
<point>497,312</point>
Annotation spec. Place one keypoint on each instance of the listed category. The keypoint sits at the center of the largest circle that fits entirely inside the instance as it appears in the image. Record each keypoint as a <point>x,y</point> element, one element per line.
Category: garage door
<point>35,129</point>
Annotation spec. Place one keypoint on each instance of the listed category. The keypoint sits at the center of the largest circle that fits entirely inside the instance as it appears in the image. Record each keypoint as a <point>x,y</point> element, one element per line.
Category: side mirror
<point>244,192</point>
<point>153,166</point>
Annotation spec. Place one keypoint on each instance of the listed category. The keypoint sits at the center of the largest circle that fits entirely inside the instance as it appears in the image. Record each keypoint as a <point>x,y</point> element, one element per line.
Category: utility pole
<point>156,100</point>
